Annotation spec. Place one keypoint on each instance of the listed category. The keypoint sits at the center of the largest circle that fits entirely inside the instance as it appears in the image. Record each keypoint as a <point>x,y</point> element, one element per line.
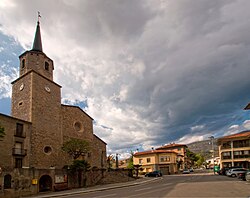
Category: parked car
<point>186,171</point>
<point>223,171</point>
<point>234,171</point>
<point>247,176</point>
<point>242,176</point>
<point>191,170</point>
<point>154,174</point>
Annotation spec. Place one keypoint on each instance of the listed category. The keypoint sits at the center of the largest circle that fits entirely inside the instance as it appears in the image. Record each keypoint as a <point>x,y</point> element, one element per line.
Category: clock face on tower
<point>21,87</point>
<point>47,89</point>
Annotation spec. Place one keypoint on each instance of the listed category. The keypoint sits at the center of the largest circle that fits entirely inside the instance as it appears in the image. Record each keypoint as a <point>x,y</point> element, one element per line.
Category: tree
<point>76,147</point>
<point>110,160</point>
<point>2,133</point>
<point>191,156</point>
<point>200,159</point>
<point>80,167</point>
<point>131,163</point>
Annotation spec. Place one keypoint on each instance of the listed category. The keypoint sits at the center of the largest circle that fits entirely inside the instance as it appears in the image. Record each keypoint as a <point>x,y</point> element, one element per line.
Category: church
<point>31,154</point>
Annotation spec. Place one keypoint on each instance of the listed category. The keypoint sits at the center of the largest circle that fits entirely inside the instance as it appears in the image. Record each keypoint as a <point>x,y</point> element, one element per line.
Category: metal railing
<point>18,151</point>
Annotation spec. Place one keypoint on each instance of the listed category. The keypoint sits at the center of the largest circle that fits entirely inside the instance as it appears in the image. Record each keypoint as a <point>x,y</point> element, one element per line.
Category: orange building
<point>162,160</point>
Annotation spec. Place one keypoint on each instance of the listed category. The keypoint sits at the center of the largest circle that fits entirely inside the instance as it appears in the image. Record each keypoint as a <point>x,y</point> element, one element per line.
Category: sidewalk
<point>93,188</point>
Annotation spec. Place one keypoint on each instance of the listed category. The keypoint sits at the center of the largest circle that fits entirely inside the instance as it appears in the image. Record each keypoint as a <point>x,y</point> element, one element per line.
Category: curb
<point>93,190</point>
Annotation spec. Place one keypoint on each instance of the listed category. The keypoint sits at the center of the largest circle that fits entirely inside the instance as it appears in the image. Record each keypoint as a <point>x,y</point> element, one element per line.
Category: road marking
<point>141,189</point>
<point>167,184</point>
<point>110,195</point>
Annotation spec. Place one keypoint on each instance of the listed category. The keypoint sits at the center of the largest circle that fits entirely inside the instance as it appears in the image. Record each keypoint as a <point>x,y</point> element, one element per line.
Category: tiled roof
<point>169,146</point>
<point>153,152</point>
<point>243,134</point>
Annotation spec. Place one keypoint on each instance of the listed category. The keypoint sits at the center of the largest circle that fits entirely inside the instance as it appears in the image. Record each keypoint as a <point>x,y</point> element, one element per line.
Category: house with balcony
<point>163,160</point>
<point>180,149</point>
<point>234,150</point>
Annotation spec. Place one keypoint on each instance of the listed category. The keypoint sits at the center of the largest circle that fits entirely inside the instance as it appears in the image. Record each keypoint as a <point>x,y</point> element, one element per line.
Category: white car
<point>234,171</point>
<point>186,171</point>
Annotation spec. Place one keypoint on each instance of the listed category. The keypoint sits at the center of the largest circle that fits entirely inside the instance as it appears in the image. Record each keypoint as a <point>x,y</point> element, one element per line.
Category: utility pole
<point>212,142</point>
<point>116,161</point>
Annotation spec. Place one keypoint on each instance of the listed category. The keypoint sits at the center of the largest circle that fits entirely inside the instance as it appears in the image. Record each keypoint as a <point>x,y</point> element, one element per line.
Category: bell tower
<point>35,59</point>
<point>37,98</point>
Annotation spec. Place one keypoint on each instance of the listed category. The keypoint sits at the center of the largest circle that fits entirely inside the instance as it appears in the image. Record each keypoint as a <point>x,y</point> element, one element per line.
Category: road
<point>190,185</point>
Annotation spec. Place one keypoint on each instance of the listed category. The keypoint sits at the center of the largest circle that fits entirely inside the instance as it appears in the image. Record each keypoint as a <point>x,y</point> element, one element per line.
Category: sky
<point>149,72</point>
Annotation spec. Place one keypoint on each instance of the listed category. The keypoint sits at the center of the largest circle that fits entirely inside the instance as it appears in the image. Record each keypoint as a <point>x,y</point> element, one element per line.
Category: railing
<point>226,157</point>
<point>241,156</point>
<point>226,147</point>
<point>18,134</point>
<point>18,151</point>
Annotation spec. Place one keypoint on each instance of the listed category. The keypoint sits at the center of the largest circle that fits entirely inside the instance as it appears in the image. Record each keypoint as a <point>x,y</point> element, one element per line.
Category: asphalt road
<point>190,185</point>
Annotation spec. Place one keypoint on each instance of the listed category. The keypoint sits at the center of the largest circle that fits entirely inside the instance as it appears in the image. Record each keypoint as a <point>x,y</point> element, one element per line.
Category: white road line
<point>167,184</point>
<point>141,189</point>
<point>109,195</point>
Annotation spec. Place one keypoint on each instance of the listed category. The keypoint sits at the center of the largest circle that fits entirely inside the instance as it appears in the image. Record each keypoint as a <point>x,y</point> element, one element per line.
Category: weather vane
<point>39,16</point>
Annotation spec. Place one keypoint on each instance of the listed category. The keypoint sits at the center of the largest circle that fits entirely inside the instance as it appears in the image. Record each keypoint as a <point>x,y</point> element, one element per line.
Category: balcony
<point>19,134</point>
<point>226,157</point>
<point>19,152</point>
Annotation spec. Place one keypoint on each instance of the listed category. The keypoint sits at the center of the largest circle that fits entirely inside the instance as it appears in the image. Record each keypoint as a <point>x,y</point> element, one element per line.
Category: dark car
<point>242,176</point>
<point>154,174</point>
<point>223,171</point>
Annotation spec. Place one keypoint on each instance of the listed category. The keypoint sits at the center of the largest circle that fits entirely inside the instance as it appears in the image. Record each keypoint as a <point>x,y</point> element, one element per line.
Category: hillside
<point>204,147</point>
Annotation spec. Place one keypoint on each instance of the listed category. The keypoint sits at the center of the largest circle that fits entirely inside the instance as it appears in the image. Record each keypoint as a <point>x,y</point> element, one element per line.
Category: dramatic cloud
<point>149,72</point>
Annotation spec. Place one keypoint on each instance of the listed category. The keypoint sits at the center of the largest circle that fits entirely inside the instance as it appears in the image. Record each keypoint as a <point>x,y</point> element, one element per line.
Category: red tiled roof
<point>153,152</point>
<point>237,135</point>
<point>171,146</point>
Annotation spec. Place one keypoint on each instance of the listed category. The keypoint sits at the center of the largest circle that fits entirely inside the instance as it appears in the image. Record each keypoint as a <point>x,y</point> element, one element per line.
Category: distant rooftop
<point>153,151</point>
<point>243,134</point>
<point>169,146</point>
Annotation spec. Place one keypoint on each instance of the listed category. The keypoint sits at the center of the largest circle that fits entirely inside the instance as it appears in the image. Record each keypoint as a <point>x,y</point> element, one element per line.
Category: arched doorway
<point>7,181</point>
<point>45,183</point>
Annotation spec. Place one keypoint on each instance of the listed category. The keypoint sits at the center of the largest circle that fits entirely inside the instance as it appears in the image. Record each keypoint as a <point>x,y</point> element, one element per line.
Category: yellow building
<point>180,149</point>
<point>162,160</point>
<point>234,150</point>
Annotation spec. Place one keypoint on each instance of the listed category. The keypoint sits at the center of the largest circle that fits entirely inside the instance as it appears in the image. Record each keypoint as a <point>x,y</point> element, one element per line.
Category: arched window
<point>46,66</point>
<point>23,63</point>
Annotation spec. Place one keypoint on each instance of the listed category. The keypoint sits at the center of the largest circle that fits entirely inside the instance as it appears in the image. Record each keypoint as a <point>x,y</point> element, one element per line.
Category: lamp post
<point>116,161</point>
<point>212,142</point>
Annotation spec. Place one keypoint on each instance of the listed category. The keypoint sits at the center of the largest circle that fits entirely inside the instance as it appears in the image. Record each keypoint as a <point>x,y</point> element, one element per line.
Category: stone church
<point>31,156</point>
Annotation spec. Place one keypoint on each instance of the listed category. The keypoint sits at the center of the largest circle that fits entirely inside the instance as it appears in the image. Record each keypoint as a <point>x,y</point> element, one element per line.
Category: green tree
<point>2,133</point>
<point>76,147</point>
<point>80,167</point>
<point>200,159</point>
<point>131,163</point>
<point>191,156</point>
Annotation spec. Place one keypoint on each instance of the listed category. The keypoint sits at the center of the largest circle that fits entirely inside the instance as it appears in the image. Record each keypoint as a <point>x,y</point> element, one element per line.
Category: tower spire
<point>37,44</point>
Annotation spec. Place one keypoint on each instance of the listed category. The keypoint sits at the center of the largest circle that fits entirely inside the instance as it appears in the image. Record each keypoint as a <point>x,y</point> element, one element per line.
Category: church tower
<point>37,98</point>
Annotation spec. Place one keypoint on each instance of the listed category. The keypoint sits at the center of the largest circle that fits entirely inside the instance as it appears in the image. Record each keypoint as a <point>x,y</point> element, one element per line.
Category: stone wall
<point>7,160</point>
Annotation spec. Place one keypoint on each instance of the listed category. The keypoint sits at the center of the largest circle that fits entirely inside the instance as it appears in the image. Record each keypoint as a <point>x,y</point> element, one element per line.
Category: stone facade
<point>37,128</point>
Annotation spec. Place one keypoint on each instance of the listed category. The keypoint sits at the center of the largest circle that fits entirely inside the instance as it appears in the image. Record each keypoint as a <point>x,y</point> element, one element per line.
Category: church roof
<point>37,44</point>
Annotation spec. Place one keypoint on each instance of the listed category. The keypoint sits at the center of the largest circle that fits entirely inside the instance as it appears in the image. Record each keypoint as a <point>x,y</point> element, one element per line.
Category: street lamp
<point>116,161</point>
<point>212,142</point>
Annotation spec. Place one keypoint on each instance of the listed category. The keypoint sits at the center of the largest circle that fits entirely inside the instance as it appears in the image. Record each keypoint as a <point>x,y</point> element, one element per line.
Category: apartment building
<point>234,150</point>
<point>163,160</point>
<point>180,149</point>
